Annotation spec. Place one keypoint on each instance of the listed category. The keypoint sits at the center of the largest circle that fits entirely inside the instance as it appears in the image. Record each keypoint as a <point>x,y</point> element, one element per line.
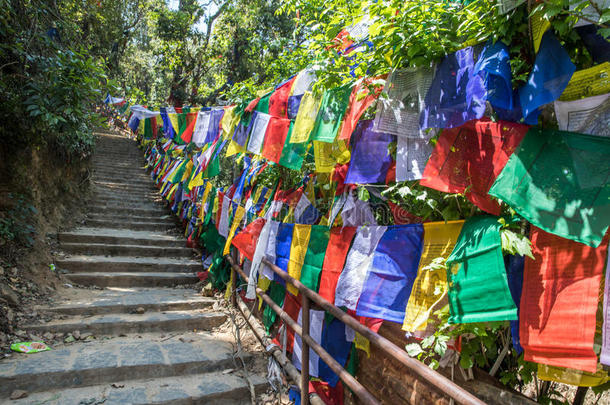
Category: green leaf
<point>466,361</point>
<point>414,349</point>
<point>428,341</point>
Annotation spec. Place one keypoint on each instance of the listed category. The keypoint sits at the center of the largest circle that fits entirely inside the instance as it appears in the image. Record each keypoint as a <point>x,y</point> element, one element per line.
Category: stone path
<point>129,247</point>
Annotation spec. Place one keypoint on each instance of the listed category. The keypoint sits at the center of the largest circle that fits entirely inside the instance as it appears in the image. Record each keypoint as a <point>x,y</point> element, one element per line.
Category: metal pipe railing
<point>442,383</point>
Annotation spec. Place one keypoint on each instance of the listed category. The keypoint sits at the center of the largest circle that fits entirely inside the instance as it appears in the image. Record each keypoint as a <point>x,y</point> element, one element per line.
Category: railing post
<point>305,351</point>
<point>233,280</point>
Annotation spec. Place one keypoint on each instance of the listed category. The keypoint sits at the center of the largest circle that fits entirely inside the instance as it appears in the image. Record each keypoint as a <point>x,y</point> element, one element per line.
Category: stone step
<point>116,324</point>
<point>142,181</point>
<point>96,206</point>
<point>97,263</point>
<point>129,196</point>
<point>139,226</point>
<point>125,250</point>
<point>139,279</point>
<point>119,236</point>
<point>127,210</point>
<point>137,218</point>
<point>117,300</point>
<point>105,362</point>
<point>209,389</point>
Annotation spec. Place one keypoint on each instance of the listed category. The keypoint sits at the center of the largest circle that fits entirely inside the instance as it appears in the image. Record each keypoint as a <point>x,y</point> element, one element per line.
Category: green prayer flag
<point>330,115</point>
<point>558,181</point>
<point>277,293</point>
<point>314,258</point>
<point>478,285</point>
<point>148,132</point>
<point>263,104</point>
<point>292,153</point>
<point>177,175</point>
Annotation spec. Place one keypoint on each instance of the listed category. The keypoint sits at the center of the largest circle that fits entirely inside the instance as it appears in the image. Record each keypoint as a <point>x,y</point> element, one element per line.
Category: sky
<point>200,26</point>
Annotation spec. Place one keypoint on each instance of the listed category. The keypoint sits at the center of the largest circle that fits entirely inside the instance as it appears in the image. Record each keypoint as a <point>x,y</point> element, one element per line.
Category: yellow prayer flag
<point>539,26</point>
<point>173,119</point>
<point>306,118</point>
<point>571,376</point>
<point>588,83</point>
<point>187,171</point>
<point>204,199</point>
<point>363,344</point>
<point>234,148</point>
<point>327,155</point>
<point>263,284</point>
<point>239,215</point>
<point>430,285</point>
<point>298,249</point>
<point>227,122</point>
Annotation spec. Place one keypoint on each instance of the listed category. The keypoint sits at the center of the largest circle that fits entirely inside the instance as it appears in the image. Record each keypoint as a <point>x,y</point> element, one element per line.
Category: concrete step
<point>208,389</point>
<point>105,362</point>
<point>125,279</point>
<point>116,324</point>
<point>126,250</point>
<point>117,300</point>
<point>138,226</point>
<point>120,236</point>
<point>97,263</point>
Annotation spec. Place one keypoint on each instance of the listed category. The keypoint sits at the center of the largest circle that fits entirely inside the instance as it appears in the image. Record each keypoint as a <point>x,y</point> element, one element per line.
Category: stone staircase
<point>131,248</point>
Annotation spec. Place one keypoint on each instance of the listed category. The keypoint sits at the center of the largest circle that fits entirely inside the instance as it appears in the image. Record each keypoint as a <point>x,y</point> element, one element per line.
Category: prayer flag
<point>336,253</point>
<point>558,181</point>
<point>298,250</point>
<point>469,158</point>
<point>306,118</point>
<point>357,264</point>
<point>360,100</point>
<point>370,157</point>
<point>332,109</point>
<point>292,153</point>
<point>412,155</point>
<point>259,128</point>
<point>478,286</point>
<point>391,273</point>
<point>278,102</point>
<point>559,301</point>
<point>275,137</point>
<point>283,243</point>
<point>399,108</point>
<point>430,285</point>
<point>315,256</point>
<point>456,94</point>
<point>550,75</point>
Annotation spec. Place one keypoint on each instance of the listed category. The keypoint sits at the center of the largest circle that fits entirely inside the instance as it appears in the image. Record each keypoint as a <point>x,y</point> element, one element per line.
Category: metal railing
<point>437,380</point>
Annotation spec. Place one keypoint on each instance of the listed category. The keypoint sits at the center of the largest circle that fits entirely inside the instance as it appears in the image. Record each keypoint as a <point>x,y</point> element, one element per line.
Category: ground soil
<point>56,189</point>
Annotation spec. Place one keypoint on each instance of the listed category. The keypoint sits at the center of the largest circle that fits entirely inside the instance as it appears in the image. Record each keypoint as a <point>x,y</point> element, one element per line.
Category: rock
<point>76,334</point>
<point>18,394</point>
<point>140,310</point>
<point>89,338</point>
<point>48,336</point>
<point>69,339</point>
<point>207,290</point>
<point>21,333</point>
<point>9,295</point>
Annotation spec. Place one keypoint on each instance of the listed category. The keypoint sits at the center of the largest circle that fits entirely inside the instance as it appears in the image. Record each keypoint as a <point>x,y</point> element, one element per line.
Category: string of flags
<point>457,127</point>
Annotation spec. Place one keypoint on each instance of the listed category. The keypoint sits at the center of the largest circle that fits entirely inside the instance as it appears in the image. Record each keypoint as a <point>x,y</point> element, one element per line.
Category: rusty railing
<point>442,383</point>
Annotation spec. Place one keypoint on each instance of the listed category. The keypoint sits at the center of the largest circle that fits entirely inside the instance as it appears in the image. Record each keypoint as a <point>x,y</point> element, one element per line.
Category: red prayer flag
<point>187,135</point>
<point>247,239</point>
<point>275,137</point>
<point>278,102</point>
<point>559,301</point>
<point>329,395</point>
<point>292,306</point>
<point>252,105</point>
<point>470,157</point>
<point>338,246</point>
<point>360,99</point>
